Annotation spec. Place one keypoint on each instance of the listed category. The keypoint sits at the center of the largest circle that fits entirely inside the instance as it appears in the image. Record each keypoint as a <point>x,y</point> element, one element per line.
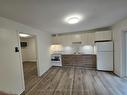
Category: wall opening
<point>28,45</point>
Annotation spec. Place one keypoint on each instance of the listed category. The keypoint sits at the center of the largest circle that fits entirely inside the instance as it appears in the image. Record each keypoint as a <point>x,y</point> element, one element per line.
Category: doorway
<point>28,45</point>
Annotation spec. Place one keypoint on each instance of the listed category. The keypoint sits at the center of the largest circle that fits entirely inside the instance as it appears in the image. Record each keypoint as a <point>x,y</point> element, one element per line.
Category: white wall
<point>11,73</point>
<point>29,53</point>
<point>126,52</point>
<point>43,43</point>
<point>119,47</point>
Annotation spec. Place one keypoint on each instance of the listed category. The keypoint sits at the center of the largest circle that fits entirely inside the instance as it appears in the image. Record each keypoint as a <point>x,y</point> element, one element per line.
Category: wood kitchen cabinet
<point>64,40</point>
<point>56,39</point>
<point>103,35</point>
<point>67,40</point>
<point>91,38</point>
<point>84,60</point>
<point>76,38</point>
<point>86,38</point>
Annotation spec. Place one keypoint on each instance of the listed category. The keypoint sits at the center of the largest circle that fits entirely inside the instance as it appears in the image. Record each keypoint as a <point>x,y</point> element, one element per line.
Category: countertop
<point>71,54</point>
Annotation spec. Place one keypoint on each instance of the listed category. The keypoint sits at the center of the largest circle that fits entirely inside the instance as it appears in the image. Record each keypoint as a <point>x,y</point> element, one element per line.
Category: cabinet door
<point>68,60</point>
<point>84,39</point>
<point>55,40</point>
<point>103,35</point>
<point>76,37</point>
<point>90,38</point>
<point>66,40</point>
<point>108,35</point>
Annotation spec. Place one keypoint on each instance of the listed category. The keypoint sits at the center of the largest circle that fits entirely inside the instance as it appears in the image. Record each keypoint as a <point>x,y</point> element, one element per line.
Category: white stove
<point>56,59</point>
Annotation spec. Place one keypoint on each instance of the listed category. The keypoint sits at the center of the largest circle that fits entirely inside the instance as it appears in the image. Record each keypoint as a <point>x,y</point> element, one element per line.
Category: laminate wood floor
<point>30,75</point>
<point>79,81</point>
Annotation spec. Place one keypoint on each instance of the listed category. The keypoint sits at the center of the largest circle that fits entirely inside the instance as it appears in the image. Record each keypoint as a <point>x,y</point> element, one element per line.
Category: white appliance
<point>56,59</point>
<point>104,52</point>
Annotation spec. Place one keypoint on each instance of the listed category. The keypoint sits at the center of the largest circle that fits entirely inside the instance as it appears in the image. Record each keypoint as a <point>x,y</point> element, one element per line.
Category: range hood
<point>76,43</point>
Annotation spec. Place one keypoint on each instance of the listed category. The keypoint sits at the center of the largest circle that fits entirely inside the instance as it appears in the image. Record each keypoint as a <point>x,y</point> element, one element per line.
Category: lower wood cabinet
<point>85,60</point>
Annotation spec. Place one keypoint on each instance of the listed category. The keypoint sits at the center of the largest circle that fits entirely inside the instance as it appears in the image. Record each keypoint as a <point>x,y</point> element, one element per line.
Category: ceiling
<point>48,15</point>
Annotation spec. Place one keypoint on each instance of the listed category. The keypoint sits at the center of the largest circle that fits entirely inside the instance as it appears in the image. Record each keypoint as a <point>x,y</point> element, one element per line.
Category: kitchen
<point>82,49</point>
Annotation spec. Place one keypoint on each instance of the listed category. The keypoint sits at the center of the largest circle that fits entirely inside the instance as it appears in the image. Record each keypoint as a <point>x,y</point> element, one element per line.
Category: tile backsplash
<point>76,49</point>
<point>87,49</point>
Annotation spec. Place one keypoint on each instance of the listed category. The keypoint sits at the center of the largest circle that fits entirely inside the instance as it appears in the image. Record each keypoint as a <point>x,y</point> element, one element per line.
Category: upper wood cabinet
<point>84,38</point>
<point>76,38</point>
<point>90,38</point>
<point>56,40</point>
<point>65,40</point>
<point>87,38</point>
<point>103,35</point>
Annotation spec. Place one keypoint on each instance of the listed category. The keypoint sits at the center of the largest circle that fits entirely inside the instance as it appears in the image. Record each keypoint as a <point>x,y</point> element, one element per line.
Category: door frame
<point>124,53</point>
<point>21,65</point>
<point>37,55</point>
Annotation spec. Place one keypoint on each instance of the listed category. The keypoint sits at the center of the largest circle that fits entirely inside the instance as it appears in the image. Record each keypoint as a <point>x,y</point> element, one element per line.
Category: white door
<point>105,61</point>
<point>11,72</point>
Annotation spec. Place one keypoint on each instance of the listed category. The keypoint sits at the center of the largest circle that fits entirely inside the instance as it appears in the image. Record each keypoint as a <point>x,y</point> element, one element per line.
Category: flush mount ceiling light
<point>73,19</point>
<point>23,35</point>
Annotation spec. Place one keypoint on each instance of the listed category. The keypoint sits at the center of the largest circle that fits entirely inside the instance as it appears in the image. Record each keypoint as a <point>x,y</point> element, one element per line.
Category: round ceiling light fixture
<point>73,19</point>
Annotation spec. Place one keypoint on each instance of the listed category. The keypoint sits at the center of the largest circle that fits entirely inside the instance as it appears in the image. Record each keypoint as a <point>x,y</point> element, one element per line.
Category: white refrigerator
<point>104,51</point>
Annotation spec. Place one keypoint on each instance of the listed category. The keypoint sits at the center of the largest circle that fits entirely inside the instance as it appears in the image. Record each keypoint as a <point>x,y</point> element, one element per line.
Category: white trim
<point>21,66</point>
